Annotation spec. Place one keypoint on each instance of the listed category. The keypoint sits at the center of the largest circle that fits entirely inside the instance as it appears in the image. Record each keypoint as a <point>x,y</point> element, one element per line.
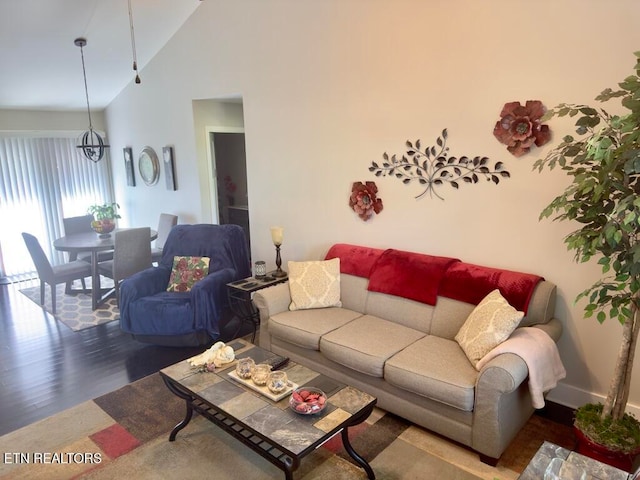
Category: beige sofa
<point>404,351</point>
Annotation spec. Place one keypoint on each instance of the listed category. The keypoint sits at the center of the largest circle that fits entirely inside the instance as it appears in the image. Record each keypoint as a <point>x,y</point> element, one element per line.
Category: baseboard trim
<point>572,398</point>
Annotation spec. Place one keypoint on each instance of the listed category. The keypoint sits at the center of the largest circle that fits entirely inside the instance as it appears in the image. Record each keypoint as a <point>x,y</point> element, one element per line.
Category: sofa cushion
<point>435,368</point>
<point>412,314</point>
<point>365,343</point>
<point>353,292</point>
<point>314,284</point>
<point>305,327</point>
<point>448,317</point>
<point>489,324</point>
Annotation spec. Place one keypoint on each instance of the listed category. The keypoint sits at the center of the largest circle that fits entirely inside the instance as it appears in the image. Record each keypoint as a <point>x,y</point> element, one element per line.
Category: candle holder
<point>260,270</point>
<point>279,272</point>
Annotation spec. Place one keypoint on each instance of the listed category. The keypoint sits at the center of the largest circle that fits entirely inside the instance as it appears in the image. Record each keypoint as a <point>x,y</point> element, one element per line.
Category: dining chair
<point>54,274</point>
<point>131,254</point>
<point>165,224</point>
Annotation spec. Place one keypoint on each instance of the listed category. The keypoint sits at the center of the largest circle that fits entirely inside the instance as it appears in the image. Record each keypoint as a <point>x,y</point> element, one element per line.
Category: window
<point>43,180</point>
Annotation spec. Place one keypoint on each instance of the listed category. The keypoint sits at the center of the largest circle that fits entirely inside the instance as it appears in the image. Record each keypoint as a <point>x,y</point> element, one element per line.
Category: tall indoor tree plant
<point>603,162</point>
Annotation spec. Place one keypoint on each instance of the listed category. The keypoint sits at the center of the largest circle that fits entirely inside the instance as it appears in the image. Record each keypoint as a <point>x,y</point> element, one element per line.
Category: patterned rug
<point>75,310</point>
<point>126,431</point>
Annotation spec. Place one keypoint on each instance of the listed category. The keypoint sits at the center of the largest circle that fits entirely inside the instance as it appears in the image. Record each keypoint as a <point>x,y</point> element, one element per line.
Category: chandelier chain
<point>86,89</point>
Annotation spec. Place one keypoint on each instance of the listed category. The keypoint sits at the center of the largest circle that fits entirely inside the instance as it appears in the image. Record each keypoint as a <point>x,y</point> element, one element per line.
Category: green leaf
<point>588,121</point>
<point>588,111</point>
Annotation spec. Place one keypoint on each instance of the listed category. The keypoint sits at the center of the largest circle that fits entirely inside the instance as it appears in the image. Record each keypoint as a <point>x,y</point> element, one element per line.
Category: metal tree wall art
<point>433,166</point>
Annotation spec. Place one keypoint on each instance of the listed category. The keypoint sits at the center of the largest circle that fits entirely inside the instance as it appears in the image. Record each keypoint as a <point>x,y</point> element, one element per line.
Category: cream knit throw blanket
<point>540,353</point>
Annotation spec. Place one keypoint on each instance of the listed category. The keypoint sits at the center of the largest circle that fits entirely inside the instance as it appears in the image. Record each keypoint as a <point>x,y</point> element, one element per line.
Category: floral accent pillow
<point>314,284</point>
<point>186,272</point>
<point>489,324</point>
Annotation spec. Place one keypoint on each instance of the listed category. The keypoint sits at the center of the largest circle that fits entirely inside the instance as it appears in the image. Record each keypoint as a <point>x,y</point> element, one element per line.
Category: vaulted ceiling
<point>41,68</point>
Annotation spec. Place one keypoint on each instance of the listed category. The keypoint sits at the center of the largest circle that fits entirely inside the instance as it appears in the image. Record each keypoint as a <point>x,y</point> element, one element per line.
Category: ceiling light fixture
<point>90,142</point>
<point>133,44</point>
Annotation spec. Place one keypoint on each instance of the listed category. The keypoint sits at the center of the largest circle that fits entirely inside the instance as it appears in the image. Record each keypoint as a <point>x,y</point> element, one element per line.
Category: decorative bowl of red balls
<point>307,400</point>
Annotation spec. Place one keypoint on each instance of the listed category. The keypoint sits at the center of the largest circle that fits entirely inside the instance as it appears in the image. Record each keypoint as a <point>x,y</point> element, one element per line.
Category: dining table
<point>94,243</point>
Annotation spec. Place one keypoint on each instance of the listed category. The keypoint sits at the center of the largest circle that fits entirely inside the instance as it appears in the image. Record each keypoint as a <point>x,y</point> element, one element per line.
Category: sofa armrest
<point>272,300</point>
<point>502,407</point>
<point>553,328</point>
<point>144,284</point>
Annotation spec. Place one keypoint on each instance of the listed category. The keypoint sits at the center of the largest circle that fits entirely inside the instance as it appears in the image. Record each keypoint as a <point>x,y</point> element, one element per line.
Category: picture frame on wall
<point>128,166</point>
<point>169,168</point>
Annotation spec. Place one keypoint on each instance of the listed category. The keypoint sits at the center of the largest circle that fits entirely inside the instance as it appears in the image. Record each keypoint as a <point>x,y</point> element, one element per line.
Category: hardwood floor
<point>45,367</point>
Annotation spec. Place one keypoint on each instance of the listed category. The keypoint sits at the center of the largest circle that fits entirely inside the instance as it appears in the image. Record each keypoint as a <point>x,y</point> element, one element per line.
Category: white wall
<point>327,87</point>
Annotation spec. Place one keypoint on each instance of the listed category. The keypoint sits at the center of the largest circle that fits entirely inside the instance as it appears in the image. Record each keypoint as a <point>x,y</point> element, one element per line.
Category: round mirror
<point>149,166</point>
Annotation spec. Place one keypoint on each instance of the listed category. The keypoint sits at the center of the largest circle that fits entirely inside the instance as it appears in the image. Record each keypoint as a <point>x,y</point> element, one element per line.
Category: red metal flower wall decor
<point>364,199</point>
<point>519,126</point>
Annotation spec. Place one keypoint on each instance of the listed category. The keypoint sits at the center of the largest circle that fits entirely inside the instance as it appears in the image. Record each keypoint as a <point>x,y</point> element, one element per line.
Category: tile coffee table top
<point>548,451</point>
<point>274,420</point>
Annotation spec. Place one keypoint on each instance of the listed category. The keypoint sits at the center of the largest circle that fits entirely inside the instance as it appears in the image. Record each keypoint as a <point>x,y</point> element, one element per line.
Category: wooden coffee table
<point>270,428</point>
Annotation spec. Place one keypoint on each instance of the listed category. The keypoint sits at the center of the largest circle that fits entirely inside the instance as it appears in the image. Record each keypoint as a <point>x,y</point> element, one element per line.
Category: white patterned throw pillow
<point>314,284</point>
<point>489,324</point>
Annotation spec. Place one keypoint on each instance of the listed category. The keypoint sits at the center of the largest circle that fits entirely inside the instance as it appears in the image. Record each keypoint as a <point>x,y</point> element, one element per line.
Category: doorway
<point>230,174</point>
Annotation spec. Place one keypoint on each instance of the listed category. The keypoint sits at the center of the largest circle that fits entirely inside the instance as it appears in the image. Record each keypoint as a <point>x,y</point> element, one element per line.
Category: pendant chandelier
<point>90,142</point>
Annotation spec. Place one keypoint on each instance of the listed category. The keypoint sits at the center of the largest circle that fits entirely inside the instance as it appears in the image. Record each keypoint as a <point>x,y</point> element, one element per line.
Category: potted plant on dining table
<point>104,218</point>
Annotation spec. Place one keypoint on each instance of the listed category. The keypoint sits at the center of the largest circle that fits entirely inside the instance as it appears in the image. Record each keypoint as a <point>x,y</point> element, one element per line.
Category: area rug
<point>125,433</point>
<point>74,310</point>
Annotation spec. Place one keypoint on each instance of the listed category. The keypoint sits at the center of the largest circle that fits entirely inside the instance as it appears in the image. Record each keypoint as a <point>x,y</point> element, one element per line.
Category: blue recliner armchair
<point>153,315</point>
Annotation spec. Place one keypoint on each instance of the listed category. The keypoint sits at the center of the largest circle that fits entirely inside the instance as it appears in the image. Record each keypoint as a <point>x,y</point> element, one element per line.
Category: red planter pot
<point>623,461</point>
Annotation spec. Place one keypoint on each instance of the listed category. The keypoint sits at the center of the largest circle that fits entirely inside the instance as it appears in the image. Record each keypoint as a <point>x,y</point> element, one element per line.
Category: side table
<point>240,298</point>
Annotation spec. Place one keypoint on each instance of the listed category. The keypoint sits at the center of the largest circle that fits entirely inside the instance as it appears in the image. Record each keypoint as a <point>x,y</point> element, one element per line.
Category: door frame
<point>212,174</point>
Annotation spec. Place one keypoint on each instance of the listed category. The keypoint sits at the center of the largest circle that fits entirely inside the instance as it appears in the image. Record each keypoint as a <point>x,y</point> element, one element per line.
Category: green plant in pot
<point>104,216</point>
<point>603,199</point>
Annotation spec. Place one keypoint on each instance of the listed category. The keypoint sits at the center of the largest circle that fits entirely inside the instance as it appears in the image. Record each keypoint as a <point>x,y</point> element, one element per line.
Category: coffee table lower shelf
<point>263,446</point>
